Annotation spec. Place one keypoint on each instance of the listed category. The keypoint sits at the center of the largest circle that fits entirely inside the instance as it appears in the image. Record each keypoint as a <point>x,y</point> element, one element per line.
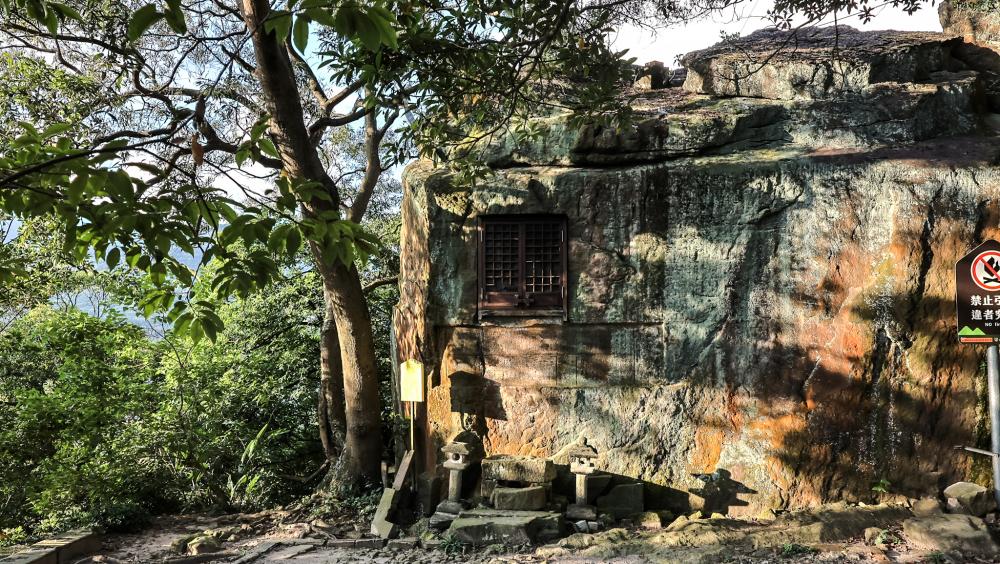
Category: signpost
<point>977,301</point>
<point>411,389</point>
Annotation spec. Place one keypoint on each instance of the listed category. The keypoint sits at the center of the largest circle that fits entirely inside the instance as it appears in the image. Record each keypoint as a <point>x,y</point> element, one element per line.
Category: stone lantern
<point>456,460</point>
<point>582,459</point>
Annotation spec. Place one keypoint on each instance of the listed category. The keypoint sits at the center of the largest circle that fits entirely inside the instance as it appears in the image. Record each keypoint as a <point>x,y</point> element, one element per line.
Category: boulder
<point>648,520</point>
<point>518,469</point>
<point>970,498</point>
<point>945,532</point>
<point>925,507</point>
<point>203,545</point>
<point>816,62</point>
<point>531,498</point>
<point>482,527</point>
<point>622,501</point>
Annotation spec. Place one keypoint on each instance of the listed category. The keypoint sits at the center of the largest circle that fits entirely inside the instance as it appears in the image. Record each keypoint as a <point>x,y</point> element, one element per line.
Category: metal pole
<point>993,383</point>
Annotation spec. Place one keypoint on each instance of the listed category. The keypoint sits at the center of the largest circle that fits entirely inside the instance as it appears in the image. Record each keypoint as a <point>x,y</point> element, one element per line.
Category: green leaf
<point>175,19</point>
<point>114,256</point>
<point>142,19</point>
<point>267,147</point>
<point>300,33</point>
<point>279,23</point>
<point>52,21</point>
<point>66,11</point>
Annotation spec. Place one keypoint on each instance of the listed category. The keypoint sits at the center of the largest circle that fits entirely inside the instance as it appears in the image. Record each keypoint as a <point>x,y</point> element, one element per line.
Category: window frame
<point>518,303</point>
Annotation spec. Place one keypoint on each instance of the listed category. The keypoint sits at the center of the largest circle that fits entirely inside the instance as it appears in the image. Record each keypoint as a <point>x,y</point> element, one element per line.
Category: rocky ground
<point>959,529</point>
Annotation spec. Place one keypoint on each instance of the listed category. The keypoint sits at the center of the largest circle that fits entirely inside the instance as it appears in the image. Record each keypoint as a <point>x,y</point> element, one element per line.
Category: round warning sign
<point>986,271</point>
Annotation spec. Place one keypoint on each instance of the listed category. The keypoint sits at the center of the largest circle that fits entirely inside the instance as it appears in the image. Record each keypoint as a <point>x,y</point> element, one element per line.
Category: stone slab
<point>518,469</point>
<point>382,526</point>
<point>482,527</point>
<point>531,498</point>
<point>61,549</point>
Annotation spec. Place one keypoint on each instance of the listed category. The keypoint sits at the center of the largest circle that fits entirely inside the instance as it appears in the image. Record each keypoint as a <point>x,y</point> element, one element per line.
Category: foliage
<point>452,544</point>
<point>795,549</point>
<point>102,424</point>
<point>881,486</point>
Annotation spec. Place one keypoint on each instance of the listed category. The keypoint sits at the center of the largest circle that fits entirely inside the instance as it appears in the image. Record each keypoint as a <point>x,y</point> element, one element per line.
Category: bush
<point>102,425</point>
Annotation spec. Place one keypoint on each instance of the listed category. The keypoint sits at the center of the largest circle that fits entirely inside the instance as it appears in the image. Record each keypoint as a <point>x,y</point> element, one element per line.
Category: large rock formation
<point>761,277</point>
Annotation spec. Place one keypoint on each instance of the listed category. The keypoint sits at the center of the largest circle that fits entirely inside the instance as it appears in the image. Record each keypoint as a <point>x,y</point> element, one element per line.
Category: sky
<point>668,44</point>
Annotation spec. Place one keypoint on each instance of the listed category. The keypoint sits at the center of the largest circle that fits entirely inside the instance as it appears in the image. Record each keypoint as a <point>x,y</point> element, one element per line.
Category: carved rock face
<point>759,286</point>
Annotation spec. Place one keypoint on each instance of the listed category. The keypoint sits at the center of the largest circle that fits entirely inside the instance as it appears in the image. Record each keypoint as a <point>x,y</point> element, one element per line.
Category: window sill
<point>521,317</point>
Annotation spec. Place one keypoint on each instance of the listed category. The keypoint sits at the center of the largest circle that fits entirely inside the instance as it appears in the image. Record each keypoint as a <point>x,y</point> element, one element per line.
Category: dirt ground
<point>282,544</point>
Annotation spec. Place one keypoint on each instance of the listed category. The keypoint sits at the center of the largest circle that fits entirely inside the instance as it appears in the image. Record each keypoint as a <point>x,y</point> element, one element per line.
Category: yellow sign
<point>411,381</point>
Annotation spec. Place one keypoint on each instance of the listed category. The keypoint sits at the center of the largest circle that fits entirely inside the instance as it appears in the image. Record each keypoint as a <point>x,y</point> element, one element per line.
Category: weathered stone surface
<point>531,498</point>
<point>970,498</point>
<point>203,545</point>
<point>761,286</point>
<point>926,507</point>
<point>649,520</point>
<point>518,469</point>
<point>481,527</point>
<point>575,512</point>
<point>622,501</point>
<point>826,524</point>
<point>965,533</point>
<point>820,62</point>
<point>382,525</point>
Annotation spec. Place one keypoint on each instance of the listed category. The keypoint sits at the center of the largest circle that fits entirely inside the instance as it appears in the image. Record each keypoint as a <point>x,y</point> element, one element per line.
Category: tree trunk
<point>330,399</point>
<point>362,453</point>
<point>361,456</point>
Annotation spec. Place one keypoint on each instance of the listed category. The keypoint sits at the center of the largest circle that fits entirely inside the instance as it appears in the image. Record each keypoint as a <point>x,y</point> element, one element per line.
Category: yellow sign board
<point>411,381</point>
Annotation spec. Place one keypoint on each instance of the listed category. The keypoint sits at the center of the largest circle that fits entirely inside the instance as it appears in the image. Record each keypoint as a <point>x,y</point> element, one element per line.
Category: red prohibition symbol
<point>986,271</point>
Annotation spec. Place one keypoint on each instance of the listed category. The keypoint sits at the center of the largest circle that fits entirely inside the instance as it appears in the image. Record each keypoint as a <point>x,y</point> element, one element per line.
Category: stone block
<point>486,488</point>
<point>518,469</point>
<point>428,492</point>
<point>970,498</point>
<point>482,527</point>
<point>440,521</point>
<point>575,512</point>
<point>622,501</point>
<point>597,484</point>
<point>382,525</point>
<point>452,507</point>
<point>531,498</point>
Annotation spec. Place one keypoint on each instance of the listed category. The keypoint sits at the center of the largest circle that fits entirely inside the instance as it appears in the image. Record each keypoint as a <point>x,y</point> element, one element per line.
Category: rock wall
<point>761,279</point>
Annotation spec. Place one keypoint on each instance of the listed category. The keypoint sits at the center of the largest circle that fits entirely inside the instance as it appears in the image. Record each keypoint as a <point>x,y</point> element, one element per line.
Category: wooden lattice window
<point>522,265</point>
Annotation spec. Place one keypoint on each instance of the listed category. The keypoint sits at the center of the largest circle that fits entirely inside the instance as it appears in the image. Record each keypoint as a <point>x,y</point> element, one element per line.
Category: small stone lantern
<point>582,459</point>
<point>456,460</point>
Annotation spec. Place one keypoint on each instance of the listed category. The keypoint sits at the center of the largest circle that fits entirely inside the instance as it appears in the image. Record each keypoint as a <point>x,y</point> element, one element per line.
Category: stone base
<point>482,527</point>
<point>622,501</point>
<point>447,511</point>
